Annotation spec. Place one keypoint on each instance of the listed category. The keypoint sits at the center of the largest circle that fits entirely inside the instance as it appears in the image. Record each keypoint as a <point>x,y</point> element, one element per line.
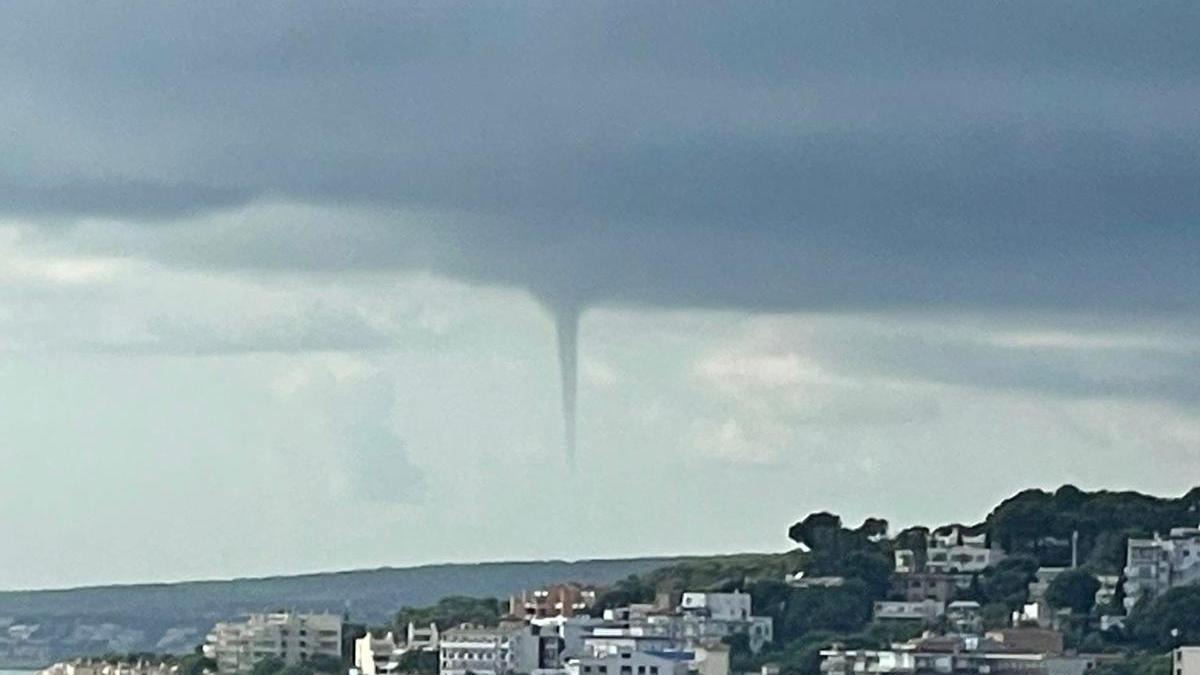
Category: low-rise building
<point>925,611</point>
<point>929,586</point>
<point>949,655</point>
<point>291,637</point>
<point>905,561</point>
<point>721,606</point>
<point>101,667</point>
<point>965,617</point>
<point>1154,566</point>
<point>554,600</point>
<point>801,580</point>
<point>1185,661</point>
<point>1106,595</point>
<point>1036,640</point>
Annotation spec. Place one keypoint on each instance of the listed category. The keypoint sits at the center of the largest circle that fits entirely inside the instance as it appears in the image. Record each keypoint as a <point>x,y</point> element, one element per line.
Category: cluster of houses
<point>102,667</point>
<point>929,592</point>
<point>551,632</point>
<point>554,630</point>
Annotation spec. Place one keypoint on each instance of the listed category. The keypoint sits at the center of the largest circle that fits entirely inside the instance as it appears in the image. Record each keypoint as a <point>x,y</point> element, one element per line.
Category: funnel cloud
<point>566,322</point>
<point>775,157</point>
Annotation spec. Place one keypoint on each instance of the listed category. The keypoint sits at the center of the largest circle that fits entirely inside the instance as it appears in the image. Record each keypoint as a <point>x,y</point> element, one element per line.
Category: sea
<point>18,672</point>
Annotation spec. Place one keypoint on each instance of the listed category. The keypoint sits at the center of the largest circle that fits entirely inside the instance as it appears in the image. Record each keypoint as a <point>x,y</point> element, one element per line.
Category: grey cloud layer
<point>767,156</point>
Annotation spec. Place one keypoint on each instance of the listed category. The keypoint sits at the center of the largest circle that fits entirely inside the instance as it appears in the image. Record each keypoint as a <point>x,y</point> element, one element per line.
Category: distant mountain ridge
<point>175,616</point>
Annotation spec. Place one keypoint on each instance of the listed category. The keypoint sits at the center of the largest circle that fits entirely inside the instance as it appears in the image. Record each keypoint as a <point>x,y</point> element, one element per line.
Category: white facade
<point>1185,661</point>
<point>900,610</point>
<point>722,606</point>
<point>1154,566</point>
<point>471,649</point>
<point>953,552</point>
<point>627,663</point>
<point>374,655</point>
<point>237,646</point>
<point>423,638</point>
<point>572,631</point>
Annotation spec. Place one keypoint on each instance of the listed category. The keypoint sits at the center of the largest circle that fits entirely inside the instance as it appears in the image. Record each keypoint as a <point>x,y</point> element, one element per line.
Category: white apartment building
<point>237,646</point>
<point>477,650</point>
<point>955,552</point>
<point>627,662</point>
<point>374,655</point>
<point>1154,566</point>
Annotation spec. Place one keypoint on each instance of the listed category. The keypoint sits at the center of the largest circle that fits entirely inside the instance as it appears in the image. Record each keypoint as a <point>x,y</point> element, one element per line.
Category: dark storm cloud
<point>765,156</point>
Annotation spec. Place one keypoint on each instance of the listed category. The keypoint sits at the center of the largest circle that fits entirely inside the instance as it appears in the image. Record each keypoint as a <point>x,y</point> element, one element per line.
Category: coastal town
<point>932,610</point>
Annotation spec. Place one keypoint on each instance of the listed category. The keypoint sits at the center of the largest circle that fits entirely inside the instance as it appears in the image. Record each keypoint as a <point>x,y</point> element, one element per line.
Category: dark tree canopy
<point>817,530</point>
<point>1170,620</point>
<point>1074,590</point>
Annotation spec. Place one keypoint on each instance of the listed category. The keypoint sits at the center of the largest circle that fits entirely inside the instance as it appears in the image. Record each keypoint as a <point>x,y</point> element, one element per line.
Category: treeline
<point>1041,524</point>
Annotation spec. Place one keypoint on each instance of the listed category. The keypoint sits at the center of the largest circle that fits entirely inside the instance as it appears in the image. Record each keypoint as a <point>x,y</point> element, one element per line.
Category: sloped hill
<point>174,617</point>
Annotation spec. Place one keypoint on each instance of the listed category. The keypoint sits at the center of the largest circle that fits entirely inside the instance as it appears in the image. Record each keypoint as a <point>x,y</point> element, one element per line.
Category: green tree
<point>268,666</point>
<point>452,611</point>
<point>627,591</point>
<point>424,663</point>
<point>196,664</point>
<point>1169,620</point>
<point>1074,590</point>
<point>1007,582</point>
<point>841,609</point>
<point>817,530</point>
<point>326,664</point>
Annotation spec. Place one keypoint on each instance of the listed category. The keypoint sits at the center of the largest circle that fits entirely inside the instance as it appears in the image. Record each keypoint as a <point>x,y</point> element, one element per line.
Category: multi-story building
<point>513,647</point>
<point>571,631</point>
<point>291,637</point>
<point>954,551</point>
<point>629,662</point>
<point>925,586</point>
<point>1154,566</point>
<point>379,654</point>
<point>477,650</point>
<point>376,654</point>
<point>421,638</point>
<point>700,618</point>
<point>555,600</point>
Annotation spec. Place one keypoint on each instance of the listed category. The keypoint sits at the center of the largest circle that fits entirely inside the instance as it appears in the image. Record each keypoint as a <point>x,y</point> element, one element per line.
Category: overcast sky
<point>279,283</point>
